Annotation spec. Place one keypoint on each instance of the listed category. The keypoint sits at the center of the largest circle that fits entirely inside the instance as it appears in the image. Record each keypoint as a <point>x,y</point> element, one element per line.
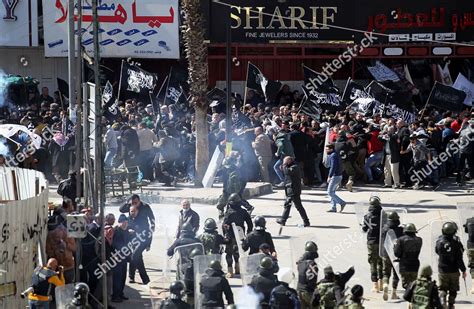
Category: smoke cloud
<point>247,298</point>
<point>4,148</point>
<point>3,87</point>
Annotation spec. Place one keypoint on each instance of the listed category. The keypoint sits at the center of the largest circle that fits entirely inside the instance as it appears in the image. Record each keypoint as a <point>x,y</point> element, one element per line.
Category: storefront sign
<point>19,23</point>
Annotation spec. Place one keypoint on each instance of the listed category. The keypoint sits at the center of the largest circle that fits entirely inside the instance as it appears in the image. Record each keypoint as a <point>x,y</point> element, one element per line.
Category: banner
<point>128,28</point>
<point>216,96</point>
<point>463,84</point>
<point>310,107</point>
<point>18,23</point>
<point>447,97</point>
<point>135,79</point>
<point>358,98</point>
<point>382,73</point>
<point>405,77</point>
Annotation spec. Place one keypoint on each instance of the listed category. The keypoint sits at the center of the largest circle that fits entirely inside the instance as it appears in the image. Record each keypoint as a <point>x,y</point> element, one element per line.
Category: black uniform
<point>212,285</point>
<point>293,193</point>
<point>284,297</point>
<point>234,214</point>
<point>307,278</point>
<point>255,239</point>
<point>264,283</point>
<point>407,249</point>
<point>450,251</point>
<point>212,242</point>
<point>174,304</point>
<point>371,225</point>
<point>387,264</point>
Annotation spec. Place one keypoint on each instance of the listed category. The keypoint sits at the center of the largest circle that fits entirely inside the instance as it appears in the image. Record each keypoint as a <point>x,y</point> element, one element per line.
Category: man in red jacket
<point>375,152</point>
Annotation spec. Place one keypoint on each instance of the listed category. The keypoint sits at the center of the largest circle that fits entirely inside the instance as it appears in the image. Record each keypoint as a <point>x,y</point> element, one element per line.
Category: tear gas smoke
<point>247,298</point>
<point>3,87</point>
<point>4,148</point>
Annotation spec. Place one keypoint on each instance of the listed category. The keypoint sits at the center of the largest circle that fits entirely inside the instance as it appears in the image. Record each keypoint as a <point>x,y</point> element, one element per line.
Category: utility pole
<point>99,179</point>
<point>71,62</point>
<point>228,114</point>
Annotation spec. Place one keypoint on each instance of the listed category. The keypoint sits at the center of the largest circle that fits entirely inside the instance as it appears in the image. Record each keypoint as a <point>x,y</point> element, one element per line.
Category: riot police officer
<point>371,226</point>
<point>394,225</point>
<point>210,238</point>
<point>423,293</point>
<point>213,284</point>
<point>41,282</point>
<point>234,214</point>
<point>174,300</point>
<point>307,275</point>
<point>258,236</point>
<point>407,249</point>
<point>450,251</point>
<point>265,281</point>
<point>188,270</point>
<point>469,229</point>
<point>186,237</point>
<point>325,293</point>
<point>282,296</point>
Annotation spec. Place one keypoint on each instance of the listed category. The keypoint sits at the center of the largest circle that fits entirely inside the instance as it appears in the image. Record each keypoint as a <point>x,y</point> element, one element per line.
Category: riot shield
<point>162,240</point>
<point>402,213</point>
<point>64,295</point>
<point>361,209</point>
<point>297,248</point>
<point>183,257</point>
<point>465,211</point>
<point>239,237</point>
<point>201,263</point>
<point>389,244</point>
<point>249,266</point>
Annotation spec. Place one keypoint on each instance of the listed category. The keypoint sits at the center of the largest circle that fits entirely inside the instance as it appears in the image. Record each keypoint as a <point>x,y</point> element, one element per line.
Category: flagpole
<point>167,85</point>
<point>246,80</point>
<point>427,100</point>
<point>345,88</point>
<point>159,91</point>
<point>120,82</point>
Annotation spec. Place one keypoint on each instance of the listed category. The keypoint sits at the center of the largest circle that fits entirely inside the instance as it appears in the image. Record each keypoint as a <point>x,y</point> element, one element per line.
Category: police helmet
<point>328,270</point>
<point>176,288</point>
<point>426,271</point>
<point>215,265</point>
<point>210,224</point>
<point>266,263</point>
<point>409,228</point>
<point>81,288</point>
<point>393,216</point>
<point>286,275</point>
<point>187,227</point>
<point>310,246</point>
<point>449,228</point>
<point>234,198</point>
<point>195,252</point>
<point>374,201</point>
<point>259,223</point>
<point>357,291</point>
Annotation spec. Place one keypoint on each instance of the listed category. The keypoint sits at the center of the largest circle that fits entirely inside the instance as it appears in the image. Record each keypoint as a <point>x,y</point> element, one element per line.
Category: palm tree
<point>196,54</point>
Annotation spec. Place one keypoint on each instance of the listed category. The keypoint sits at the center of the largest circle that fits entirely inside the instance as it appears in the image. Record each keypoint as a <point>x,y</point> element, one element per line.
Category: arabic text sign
<point>18,23</point>
<point>128,28</point>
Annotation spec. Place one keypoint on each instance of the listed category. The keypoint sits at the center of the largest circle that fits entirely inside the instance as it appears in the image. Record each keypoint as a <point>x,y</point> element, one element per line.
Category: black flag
<point>323,93</point>
<point>109,103</point>
<point>135,79</point>
<point>63,87</point>
<point>358,98</point>
<point>216,96</point>
<point>257,81</point>
<point>447,97</point>
<point>310,107</point>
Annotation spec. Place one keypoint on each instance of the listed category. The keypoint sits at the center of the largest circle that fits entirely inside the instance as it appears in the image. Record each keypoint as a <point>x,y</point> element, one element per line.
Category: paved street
<point>341,244</point>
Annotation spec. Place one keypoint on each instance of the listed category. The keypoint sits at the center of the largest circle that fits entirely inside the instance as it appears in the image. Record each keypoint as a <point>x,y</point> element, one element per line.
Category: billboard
<point>128,28</point>
<point>260,21</point>
<point>326,21</point>
<point>19,23</point>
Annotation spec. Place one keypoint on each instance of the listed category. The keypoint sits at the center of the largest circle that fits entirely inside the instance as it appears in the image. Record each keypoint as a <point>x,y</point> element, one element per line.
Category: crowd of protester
<point>162,143</point>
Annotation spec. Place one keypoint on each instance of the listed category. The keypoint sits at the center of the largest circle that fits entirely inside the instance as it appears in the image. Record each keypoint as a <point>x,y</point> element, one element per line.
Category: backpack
<point>421,298</point>
<point>327,295</point>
